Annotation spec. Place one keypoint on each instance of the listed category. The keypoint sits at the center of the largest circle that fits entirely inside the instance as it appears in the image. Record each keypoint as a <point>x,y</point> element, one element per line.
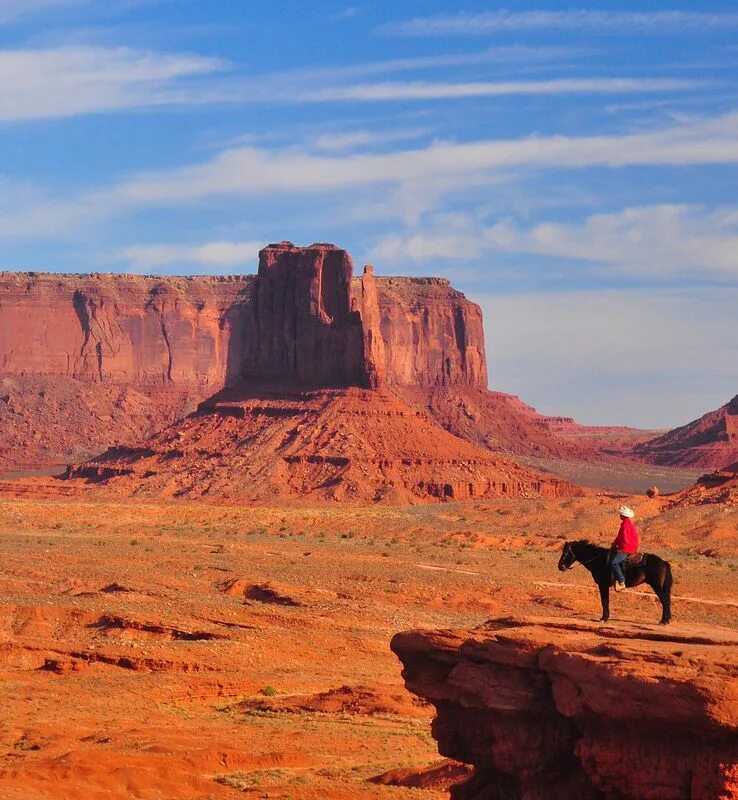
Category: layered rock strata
<point>333,444</point>
<point>302,318</point>
<point>123,329</point>
<point>710,441</point>
<point>552,710</point>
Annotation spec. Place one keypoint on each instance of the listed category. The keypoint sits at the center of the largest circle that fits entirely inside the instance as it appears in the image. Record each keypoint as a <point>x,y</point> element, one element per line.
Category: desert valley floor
<point>170,651</point>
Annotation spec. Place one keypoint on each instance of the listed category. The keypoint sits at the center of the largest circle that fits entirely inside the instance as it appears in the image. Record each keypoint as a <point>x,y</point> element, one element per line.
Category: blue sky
<point>571,168</point>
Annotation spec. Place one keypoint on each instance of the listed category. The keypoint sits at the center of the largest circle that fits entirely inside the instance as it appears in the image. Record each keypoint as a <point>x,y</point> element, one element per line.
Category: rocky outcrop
<point>303,326</point>
<point>719,486</point>
<point>304,318</point>
<point>710,441</point>
<point>502,422</point>
<point>552,710</point>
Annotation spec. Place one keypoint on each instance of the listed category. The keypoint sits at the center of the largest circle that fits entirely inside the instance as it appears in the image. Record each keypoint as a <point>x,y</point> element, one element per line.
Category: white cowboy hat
<point>625,511</point>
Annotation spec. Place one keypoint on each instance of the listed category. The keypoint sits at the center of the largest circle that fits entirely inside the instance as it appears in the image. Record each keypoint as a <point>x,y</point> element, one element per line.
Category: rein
<point>577,561</point>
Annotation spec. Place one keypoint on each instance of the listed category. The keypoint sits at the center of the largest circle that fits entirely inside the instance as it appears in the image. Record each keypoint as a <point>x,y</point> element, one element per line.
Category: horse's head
<point>568,557</point>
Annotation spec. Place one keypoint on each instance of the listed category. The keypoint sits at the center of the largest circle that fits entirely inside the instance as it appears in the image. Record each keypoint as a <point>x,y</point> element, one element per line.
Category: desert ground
<point>179,650</point>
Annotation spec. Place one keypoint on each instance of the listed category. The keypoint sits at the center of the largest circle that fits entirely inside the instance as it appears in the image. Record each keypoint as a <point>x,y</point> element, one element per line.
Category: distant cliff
<point>710,441</point>
<point>123,329</point>
<point>302,318</point>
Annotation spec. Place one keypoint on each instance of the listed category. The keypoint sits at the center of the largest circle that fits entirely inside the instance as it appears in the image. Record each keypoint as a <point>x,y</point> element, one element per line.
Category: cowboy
<point>625,544</point>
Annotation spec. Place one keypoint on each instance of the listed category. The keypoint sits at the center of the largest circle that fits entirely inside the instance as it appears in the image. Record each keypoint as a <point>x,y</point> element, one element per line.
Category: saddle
<point>636,559</point>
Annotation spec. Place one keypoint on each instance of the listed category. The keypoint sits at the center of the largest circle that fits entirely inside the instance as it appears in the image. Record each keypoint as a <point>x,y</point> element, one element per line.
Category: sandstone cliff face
<point>720,486</point>
<point>303,327</point>
<point>433,335</point>
<point>143,332</point>
<point>555,710</point>
<point>302,318</point>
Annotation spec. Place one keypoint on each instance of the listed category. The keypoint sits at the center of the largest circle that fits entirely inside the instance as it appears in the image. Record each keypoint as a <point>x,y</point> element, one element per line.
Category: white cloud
<point>650,242</point>
<point>209,256</point>
<point>68,81</point>
<point>479,24</point>
<point>254,171</point>
<point>654,241</point>
<point>502,54</point>
<point>423,90</point>
<point>646,358</point>
<point>74,80</point>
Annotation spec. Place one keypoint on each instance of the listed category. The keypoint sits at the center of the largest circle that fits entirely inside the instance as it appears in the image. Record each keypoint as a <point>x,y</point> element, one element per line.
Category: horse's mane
<point>587,543</point>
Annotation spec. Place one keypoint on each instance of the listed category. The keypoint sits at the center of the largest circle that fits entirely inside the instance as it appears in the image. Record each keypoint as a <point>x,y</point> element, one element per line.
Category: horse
<point>651,570</point>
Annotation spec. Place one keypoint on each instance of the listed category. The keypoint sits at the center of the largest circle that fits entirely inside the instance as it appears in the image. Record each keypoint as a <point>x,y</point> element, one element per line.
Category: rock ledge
<point>552,709</point>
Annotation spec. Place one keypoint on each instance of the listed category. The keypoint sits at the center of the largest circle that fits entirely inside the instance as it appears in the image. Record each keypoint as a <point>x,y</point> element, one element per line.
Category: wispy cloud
<point>478,24</point>
<point>255,171</point>
<point>207,257</point>
<point>422,90</point>
<point>647,242</point>
<point>423,174</point>
<point>501,54</point>
<point>69,81</point>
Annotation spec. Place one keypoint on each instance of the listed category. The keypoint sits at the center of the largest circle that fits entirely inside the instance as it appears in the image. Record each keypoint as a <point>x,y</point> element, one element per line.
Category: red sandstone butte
<point>89,361</point>
<point>546,709</point>
<point>315,414</point>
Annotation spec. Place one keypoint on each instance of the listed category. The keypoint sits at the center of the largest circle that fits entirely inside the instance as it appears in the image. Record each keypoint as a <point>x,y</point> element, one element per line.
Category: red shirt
<point>627,538</point>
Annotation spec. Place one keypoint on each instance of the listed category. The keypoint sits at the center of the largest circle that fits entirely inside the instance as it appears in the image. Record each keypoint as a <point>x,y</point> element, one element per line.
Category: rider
<point>625,544</point>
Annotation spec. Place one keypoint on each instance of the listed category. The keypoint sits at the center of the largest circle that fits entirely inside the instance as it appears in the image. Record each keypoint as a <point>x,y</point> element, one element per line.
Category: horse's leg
<point>665,595</point>
<point>605,598</point>
<point>662,588</point>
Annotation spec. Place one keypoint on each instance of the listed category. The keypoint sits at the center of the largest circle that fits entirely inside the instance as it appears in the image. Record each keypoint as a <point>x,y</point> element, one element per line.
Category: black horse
<point>651,570</point>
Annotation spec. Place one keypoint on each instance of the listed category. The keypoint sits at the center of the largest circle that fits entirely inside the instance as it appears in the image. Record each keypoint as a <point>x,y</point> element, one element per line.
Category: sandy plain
<point>170,651</point>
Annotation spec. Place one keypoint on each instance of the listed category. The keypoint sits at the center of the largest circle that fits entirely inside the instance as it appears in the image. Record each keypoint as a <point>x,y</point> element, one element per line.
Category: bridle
<point>568,551</point>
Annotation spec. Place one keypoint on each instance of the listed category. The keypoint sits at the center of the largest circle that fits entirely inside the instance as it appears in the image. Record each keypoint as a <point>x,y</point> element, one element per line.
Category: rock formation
<point>547,709</point>
<point>433,335</point>
<point>719,486</point>
<point>303,327</point>
<point>313,414</point>
<point>87,361</point>
<point>710,441</point>
<point>77,351</point>
<point>339,444</point>
<point>122,329</point>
